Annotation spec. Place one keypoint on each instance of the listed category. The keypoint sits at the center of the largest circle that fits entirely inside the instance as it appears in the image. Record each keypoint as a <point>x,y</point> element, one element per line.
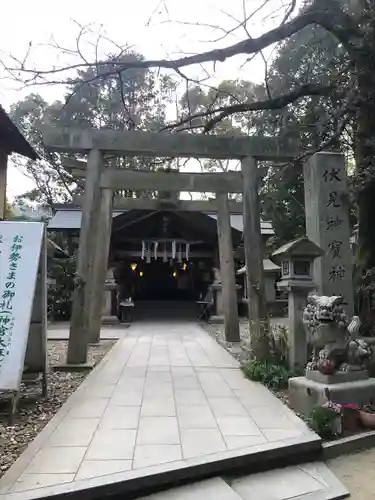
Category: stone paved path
<point>167,393</point>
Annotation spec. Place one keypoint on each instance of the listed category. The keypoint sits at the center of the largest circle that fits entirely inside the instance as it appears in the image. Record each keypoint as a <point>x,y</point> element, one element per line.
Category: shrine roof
<point>69,217</point>
<point>268,266</point>
<point>11,138</point>
<point>299,247</point>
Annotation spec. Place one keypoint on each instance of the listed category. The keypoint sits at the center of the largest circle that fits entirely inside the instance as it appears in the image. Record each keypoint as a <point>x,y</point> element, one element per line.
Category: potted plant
<point>367,416</point>
<point>350,416</point>
<point>326,420</point>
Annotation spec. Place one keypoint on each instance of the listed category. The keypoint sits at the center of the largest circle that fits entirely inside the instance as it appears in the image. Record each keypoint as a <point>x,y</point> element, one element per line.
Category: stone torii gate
<point>101,182</point>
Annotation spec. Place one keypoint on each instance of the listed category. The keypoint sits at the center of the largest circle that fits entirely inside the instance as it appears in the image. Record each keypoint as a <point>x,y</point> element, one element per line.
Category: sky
<point>155,28</point>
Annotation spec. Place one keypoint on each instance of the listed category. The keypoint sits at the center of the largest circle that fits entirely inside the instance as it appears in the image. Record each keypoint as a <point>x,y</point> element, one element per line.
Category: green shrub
<point>60,294</point>
<point>326,420</point>
<point>279,344</point>
<point>272,375</point>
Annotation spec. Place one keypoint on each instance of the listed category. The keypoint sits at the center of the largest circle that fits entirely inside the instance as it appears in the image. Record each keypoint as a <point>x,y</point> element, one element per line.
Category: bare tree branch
<point>266,83</point>
<point>269,104</point>
<point>240,24</point>
<point>341,25</point>
<point>290,11</point>
<point>343,115</point>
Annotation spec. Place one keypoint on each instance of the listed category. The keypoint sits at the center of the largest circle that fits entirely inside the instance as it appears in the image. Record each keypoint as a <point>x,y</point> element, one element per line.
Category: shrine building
<point>167,258</point>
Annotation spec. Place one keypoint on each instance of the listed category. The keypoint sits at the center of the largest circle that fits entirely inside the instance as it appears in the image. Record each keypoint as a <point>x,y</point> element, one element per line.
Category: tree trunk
<point>365,164</point>
<point>365,259</point>
<point>366,212</point>
<point>258,315</point>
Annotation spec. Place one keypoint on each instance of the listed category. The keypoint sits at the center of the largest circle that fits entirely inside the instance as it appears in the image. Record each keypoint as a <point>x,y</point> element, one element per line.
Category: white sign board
<point>20,251</point>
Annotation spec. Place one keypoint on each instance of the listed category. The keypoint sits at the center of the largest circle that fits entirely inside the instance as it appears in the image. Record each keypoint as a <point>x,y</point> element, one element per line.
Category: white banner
<point>20,247</point>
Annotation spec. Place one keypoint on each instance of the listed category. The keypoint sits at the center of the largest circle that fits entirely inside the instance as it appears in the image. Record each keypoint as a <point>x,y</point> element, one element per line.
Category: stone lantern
<point>271,274</point>
<point>216,288</point>
<point>109,300</point>
<point>296,260</point>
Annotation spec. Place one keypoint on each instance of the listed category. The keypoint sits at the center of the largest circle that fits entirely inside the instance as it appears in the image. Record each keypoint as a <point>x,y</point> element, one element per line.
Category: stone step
<point>310,481</point>
<point>165,309</point>
<point>210,489</point>
<point>229,468</point>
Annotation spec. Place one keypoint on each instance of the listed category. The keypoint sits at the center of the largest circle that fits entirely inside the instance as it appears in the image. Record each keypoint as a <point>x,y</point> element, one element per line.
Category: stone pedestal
<point>336,378</point>
<point>297,295</point>
<point>269,286</point>
<point>108,297</point>
<point>217,290</point>
<point>305,394</point>
<point>218,294</point>
<point>218,316</point>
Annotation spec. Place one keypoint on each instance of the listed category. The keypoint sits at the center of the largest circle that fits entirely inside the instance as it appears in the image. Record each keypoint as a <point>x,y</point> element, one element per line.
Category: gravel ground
<point>217,332</point>
<point>356,472</point>
<point>34,412</point>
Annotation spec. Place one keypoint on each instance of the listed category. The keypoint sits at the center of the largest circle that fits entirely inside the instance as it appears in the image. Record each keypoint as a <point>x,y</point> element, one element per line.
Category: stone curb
<point>347,445</point>
<point>153,479</point>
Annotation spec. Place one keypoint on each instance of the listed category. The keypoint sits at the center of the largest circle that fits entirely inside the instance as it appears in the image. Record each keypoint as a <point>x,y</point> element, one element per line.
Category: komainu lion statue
<point>335,342</point>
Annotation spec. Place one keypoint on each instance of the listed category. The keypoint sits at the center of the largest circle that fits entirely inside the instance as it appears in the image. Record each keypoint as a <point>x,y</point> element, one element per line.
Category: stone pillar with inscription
<point>327,224</point>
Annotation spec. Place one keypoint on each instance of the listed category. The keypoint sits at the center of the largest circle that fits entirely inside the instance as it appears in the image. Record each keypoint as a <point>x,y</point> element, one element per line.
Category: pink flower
<point>351,406</point>
<point>337,407</point>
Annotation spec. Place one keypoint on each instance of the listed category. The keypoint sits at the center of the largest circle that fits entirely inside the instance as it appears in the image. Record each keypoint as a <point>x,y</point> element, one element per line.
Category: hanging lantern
<point>133,266</point>
<point>141,274</point>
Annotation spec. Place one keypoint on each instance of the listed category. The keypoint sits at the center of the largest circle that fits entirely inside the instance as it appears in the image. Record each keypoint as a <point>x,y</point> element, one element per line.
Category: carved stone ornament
<point>335,342</point>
